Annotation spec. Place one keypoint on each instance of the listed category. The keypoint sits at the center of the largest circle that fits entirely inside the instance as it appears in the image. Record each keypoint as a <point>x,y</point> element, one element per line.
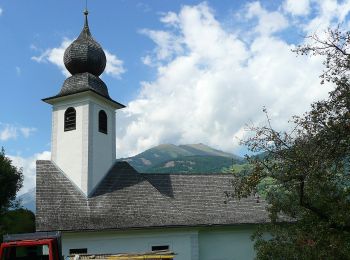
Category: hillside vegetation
<point>195,164</point>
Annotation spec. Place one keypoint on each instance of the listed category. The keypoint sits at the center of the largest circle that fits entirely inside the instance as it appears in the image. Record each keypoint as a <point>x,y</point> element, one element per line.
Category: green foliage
<point>304,173</point>
<point>11,180</point>
<point>194,164</point>
<point>301,240</point>
<point>12,218</point>
<point>17,221</point>
<point>236,167</point>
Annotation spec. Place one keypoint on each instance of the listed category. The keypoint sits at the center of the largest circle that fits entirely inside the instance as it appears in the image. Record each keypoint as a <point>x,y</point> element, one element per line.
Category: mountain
<point>154,157</point>
<point>204,150</point>
<point>28,200</point>
<point>203,164</point>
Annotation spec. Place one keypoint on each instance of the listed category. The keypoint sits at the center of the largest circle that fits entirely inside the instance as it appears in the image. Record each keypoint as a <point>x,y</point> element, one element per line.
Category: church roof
<point>126,199</point>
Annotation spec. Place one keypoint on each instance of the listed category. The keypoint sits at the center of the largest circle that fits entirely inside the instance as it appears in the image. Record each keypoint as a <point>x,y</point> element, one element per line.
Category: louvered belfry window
<point>102,122</point>
<point>69,119</point>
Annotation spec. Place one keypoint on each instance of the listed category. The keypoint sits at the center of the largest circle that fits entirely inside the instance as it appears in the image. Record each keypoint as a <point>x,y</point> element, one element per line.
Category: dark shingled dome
<point>85,54</point>
<point>82,82</point>
<point>85,60</point>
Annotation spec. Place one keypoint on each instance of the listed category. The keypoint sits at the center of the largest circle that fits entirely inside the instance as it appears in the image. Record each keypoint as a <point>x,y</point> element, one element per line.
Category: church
<point>104,206</point>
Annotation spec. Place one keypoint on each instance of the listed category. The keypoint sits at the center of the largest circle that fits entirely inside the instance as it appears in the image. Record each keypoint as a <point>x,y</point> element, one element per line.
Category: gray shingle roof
<point>126,199</point>
<point>82,82</point>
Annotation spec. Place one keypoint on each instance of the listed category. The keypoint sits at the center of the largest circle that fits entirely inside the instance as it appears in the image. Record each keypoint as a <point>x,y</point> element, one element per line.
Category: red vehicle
<point>32,246</point>
<point>47,246</point>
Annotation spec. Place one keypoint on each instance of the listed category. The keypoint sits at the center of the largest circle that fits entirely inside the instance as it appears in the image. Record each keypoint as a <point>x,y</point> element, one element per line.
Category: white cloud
<point>114,66</point>
<point>167,45</point>
<point>28,165</point>
<point>170,18</point>
<point>328,13</point>
<point>8,131</point>
<point>1,11</point>
<point>209,91</point>
<point>54,56</point>
<point>27,131</point>
<point>297,7</point>
<point>268,22</point>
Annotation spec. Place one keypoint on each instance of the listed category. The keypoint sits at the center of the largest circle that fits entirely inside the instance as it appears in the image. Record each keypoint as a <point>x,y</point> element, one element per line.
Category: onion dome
<point>85,54</point>
<point>85,60</point>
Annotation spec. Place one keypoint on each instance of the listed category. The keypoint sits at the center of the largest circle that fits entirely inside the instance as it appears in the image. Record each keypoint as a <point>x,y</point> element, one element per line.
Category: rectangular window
<point>162,247</point>
<point>26,252</point>
<point>74,251</point>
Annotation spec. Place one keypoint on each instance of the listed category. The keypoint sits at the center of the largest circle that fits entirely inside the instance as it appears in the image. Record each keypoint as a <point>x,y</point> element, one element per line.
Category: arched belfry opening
<point>70,118</point>
<point>102,122</point>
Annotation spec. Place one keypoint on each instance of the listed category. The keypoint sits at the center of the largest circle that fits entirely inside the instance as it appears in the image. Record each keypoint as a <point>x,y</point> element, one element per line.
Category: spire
<point>86,30</point>
<point>85,54</point>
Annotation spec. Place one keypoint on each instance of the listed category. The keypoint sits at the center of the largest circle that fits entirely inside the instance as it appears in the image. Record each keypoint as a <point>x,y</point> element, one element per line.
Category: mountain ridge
<point>157,155</point>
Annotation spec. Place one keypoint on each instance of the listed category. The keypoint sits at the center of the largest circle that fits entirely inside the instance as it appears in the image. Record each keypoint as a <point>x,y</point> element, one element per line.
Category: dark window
<point>38,252</point>
<point>74,251</point>
<point>102,122</point>
<point>157,248</point>
<point>69,119</point>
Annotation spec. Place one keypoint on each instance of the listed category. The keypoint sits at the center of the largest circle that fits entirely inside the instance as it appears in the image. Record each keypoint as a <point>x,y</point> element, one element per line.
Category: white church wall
<point>184,243</point>
<point>226,243</point>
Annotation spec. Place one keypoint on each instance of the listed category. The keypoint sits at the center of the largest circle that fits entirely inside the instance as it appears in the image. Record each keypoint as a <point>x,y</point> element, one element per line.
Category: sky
<point>188,71</point>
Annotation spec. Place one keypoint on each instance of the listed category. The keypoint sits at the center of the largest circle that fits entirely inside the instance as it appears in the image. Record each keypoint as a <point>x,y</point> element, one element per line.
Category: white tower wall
<point>102,152</point>
<point>84,155</point>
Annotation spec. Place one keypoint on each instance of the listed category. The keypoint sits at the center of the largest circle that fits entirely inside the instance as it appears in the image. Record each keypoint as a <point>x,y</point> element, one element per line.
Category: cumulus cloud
<point>54,56</point>
<point>213,83</point>
<point>167,44</point>
<point>299,7</point>
<point>28,165</point>
<point>328,13</point>
<point>268,22</point>
<point>114,66</point>
<point>8,131</point>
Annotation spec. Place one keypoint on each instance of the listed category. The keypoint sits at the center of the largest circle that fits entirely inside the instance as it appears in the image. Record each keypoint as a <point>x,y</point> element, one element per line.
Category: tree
<point>17,221</point>
<point>12,218</point>
<point>11,179</point>
<point>306,171</point>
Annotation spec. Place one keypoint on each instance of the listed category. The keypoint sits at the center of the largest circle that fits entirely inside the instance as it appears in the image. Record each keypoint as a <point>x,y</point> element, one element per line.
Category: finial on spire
<point>86,13</point>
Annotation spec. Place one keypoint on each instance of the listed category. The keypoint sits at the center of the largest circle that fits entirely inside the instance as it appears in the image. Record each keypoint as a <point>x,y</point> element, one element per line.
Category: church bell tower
<point>83,116</point>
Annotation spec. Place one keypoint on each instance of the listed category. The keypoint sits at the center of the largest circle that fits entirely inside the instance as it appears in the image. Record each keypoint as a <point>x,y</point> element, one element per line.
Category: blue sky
<point>188,71</point>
